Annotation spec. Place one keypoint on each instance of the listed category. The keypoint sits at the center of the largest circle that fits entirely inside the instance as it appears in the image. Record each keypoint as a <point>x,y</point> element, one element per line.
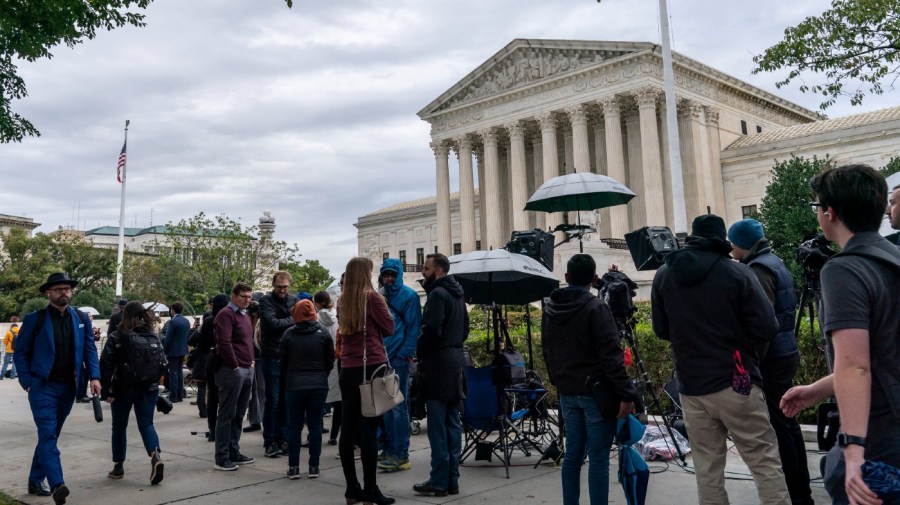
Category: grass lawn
<point>6,500</point>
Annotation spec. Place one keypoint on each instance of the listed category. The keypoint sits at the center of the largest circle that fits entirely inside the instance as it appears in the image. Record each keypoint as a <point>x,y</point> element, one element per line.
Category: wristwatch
<point>844,440</point>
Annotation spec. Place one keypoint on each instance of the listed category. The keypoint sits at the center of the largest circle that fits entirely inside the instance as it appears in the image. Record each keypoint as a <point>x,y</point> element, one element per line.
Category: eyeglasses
<point>245,297</point>
<point>61,290</point>
<point>815,206</point>
<point>286,286</point>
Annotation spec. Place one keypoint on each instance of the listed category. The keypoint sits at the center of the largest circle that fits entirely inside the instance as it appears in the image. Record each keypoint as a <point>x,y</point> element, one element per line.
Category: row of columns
<point>634,159</point>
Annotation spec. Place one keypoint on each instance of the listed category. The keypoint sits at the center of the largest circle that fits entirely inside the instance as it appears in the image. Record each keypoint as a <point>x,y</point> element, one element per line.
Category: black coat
<point>111,358</point>
<point>445,326</point>
<point>306,352</point>
<point>274,319</point>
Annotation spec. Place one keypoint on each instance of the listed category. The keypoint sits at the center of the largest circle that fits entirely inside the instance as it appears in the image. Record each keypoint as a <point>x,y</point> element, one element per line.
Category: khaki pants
<point>709,418</point>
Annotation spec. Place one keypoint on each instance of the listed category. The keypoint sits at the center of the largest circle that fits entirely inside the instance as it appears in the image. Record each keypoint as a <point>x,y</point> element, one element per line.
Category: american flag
<point>120,169</point>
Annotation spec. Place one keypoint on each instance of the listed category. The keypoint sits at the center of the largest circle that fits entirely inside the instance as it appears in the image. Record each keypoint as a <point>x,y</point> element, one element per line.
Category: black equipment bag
<point>140,362</point>
<point>509,367</point>
<point>649,245</point>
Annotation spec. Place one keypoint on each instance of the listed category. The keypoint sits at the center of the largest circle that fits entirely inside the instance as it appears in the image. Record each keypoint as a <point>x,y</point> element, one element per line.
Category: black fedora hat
<point>57,278</point>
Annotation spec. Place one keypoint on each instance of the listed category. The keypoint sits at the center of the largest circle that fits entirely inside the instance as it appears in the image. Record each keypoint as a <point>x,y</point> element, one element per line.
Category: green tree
<point>856,43</point>
<point>785,212</point>
<point>891,168</point>
<point>310,276</point>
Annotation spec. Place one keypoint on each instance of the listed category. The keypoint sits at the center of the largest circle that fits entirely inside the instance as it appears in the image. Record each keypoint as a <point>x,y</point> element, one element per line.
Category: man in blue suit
<point>54,347</point>
<point>176,349</point>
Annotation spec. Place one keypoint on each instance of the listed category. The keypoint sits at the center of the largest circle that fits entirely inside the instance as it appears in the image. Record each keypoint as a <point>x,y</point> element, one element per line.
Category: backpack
<point>140,360</point>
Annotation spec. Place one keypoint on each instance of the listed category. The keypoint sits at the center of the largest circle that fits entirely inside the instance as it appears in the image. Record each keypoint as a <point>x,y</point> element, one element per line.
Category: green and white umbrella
<point>579,191</point>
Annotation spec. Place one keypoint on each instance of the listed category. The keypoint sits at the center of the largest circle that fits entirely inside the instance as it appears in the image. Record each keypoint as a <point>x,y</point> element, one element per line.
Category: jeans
<point>396,420</point>
<point>587,432</point>
<point>273,411</point>
<point>7,361</point>
<point>176,378</point>
<point>445,437</point>
<point>304,405</point>
<point>234,395</point>
<point>144,404</point>
<point>51,403</point>
<point>357,429</point>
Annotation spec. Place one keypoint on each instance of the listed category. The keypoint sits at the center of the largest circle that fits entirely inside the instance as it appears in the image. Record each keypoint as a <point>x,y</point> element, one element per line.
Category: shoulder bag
<point>382,393</point>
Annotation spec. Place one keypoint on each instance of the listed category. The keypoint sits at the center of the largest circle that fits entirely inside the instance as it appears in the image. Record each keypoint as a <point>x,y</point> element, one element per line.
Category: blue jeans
<point>7,361</point>
<point>396,420</point>
<point>273,411</point>
<point>308,405</point>
<point>445,437</point>
<point>587,432</point>
<point>50,404</point>
<point>176,378</point>
<point>144,403</point>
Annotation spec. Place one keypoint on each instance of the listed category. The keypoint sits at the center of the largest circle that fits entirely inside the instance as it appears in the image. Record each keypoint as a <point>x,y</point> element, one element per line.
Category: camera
<point>813,253</point>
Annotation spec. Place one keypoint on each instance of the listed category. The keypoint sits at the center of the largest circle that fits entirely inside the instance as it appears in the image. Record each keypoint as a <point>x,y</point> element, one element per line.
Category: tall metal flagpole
<point>672,122</point>
<point>123,161</point>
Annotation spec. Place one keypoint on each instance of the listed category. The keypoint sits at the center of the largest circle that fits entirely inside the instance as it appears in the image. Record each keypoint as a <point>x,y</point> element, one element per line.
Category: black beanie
<point>708,226</point>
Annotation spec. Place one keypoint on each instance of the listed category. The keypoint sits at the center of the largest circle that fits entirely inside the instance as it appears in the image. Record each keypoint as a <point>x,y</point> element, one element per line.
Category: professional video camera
<point>618,291</point>
<point>813,253</point>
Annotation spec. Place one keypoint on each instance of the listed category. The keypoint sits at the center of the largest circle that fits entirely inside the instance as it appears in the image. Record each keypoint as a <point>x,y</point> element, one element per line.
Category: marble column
<point>490,194</point>
<point>581,154</point>
<point>694,190</point>
<point>518,177</point>
<point>637,209</point>
<point>482,214</point>
<point>550,161</point>
<point>443,197</point>
<point>568,148</point>
<point>466,194</point>
<point>600,168</point>
<point>537,147</point>
<point>654,199</point>
<point>715,162</point>
<point>615,162</point>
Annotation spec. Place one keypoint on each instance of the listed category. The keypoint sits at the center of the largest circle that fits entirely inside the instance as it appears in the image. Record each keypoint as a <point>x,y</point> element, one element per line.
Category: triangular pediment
<point>524,62</point>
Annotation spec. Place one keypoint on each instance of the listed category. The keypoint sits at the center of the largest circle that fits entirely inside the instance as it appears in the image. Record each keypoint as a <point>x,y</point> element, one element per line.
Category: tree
<point>856,42</point>
<point>311,276</point>
<point>891,168</point>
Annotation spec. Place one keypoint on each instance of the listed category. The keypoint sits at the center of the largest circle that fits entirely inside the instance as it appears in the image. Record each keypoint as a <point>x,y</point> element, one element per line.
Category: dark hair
<point>219,302</point>
<point>581,269</point>
<point>440,261</point>
<point>856,193</point>
<point>281,274</point>
<point>134,315</point>
<point>323,298</point>
<point>241,287</point>
<point>178,307</point>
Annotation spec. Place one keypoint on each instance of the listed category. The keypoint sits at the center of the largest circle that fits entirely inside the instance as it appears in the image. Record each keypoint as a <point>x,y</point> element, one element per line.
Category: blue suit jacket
<point>35,353</point>
<point>176,336</point>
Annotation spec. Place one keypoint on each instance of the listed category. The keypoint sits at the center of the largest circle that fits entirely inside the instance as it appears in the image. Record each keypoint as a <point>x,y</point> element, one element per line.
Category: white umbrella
<point>90,310</point>
<point>156,307</point>
<point>501,277</point>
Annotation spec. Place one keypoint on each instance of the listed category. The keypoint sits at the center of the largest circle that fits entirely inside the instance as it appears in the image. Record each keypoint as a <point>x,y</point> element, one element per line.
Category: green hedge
<point>655,353</point>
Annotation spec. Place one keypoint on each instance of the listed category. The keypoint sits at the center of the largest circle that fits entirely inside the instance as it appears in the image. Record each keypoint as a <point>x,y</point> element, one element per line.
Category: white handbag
<point>382,393</point>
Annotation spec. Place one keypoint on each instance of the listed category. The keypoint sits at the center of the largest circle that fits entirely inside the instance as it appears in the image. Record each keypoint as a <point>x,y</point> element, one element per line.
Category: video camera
<point>618,291</point>
<point>812,255</point>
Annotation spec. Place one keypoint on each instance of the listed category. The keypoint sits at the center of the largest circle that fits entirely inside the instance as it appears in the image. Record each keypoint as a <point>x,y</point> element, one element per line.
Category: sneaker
<point>38,488</point>
<point>293,473</point>
<point>252,427</point>
<point>392,464</point>
<point>273,451</point>
<point>226,466</point>
<point>428,489</point>
<point>60,493</point>
<point>383,456</point>
<point>156,469</point>
<point>453,491</point>
<point>117,472</point>
<point>313,472</point>
<point>242,460</point>
<point>332,441</point>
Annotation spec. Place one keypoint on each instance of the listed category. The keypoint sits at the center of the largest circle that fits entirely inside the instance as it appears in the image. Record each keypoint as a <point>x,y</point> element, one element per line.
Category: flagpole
<point>121,253</point>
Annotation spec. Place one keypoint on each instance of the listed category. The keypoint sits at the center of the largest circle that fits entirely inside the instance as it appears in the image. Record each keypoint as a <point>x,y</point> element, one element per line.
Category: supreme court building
<point>542,108</point>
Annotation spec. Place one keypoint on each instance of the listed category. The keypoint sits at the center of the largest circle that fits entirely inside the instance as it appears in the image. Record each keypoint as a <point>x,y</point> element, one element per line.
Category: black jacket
<point>306,352</point>
<point>581,347</point>
<point>709,306</point>
<point>274,319</point>
<point>111,358</point>
<point>445,326</point>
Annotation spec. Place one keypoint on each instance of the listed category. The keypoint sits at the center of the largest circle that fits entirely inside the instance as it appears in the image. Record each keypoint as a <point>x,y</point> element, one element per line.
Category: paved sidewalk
<point>190,478</point>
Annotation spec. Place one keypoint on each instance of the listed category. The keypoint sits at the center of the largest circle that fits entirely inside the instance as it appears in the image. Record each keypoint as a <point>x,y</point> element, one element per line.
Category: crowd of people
<point>725,302</point>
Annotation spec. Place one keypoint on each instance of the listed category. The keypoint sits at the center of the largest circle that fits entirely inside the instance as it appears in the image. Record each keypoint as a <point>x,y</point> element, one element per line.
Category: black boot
<point>354,494</point>
<point>373,496</point>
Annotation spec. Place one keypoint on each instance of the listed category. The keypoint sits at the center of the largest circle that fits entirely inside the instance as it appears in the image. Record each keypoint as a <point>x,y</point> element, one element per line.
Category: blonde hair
<point>354,295</point>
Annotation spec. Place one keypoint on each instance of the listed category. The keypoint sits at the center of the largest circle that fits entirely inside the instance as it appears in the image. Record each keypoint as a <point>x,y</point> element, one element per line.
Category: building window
<point>403,257</point>
<point>385,256</point>
<point>420,256</point>
<point>477,245</point>
<point>457,248</point>
<point>743,127</point>
<point>758,129</point>
<point>749,211</point>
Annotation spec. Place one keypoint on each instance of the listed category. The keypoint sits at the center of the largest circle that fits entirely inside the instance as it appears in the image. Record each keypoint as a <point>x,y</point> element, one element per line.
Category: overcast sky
<point>237,106</point>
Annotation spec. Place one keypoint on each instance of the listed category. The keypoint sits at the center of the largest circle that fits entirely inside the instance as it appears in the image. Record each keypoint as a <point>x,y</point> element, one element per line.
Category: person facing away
<point>176,349</point>
<point>234,376</point>
<point>403,302</point>
<point>719,322</point>
<point>54,347</point>
<point>208,344</point>
<point>306,352</point>
<point>445,326</point>
<point>782,359</point>
<point>127,364</point>
<point>859,319</point>
<point>274,319</point>
<point>581,348</point>
<point>328,320</point>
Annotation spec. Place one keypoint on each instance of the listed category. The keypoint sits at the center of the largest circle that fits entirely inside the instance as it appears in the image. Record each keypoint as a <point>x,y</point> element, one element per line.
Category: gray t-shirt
<point>861,292</point>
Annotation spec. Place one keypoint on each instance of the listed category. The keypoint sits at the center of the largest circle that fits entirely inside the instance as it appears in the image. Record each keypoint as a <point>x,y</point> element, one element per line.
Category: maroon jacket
<point>234,338</point>
<point>378,323</point>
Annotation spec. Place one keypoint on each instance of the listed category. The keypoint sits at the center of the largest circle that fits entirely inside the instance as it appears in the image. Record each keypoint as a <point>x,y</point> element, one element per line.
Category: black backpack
<point>140,360</point>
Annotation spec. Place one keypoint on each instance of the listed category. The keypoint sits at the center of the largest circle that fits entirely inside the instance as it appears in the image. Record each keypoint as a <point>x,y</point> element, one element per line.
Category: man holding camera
<point>859,318</point>
<point>587,366</point>
<point>718,320</point>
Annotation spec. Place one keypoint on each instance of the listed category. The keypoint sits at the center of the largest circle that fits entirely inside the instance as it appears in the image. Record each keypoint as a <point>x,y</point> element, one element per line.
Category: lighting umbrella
<point>578,192</point>
<point>90,310</point>
<point>156,307</point>
<point>501,277</point>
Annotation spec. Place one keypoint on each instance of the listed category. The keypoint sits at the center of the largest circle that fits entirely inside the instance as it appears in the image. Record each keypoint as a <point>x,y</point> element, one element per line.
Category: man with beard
<point>893,208</point>
<point>445,326</point>
<point>274,319</point>
<point>55,346</point>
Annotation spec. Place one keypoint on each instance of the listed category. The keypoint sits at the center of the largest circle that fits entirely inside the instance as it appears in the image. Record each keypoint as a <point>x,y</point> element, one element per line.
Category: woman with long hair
<point>363,320</point>
<point>131,363</point>
<point>328,320</point>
